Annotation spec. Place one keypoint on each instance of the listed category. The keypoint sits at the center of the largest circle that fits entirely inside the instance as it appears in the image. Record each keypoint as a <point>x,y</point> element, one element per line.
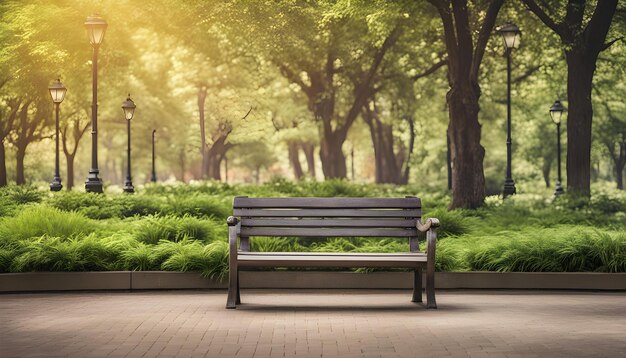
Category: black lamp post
<point>57,92</point>
<point>96,27</point>
<point>511,35</point>
<point>556,113</point>
<point>153,178</point>
<point>129,110</point>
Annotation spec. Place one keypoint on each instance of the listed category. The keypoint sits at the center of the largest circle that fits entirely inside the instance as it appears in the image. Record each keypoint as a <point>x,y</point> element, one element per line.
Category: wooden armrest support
<point>430,223</point>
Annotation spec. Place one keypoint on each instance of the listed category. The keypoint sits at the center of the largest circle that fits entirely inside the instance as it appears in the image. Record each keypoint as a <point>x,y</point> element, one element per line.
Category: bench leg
<point>238,291</point>
<point>417,285</point>
<point>233,287</point>
<point>430,285</point>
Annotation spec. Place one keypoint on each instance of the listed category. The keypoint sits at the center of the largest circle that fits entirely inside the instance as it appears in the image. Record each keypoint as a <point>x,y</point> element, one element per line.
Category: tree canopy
<point>370,91</point>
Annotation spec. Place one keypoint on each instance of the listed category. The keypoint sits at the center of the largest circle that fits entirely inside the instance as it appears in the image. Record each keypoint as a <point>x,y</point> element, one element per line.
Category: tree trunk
<point>309,154</point>
<point>19,168</point>
<point>294,159</point>
<point>580,69</point>
<point>203,146</point>
<point>214,165</point>
<point>3,166</point>
<point>332,157</point>
<point>619,178</point>
<point>545,170</point>
<point>69,159</point>
<point>215,156</point>
<point>468,179</point>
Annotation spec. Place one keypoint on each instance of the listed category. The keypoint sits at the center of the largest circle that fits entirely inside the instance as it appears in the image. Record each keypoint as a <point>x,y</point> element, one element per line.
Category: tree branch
<point>430,70</point>
<point>526,74</point>
<point>610,43</point>
<point>483,36</point>
<point>538,11</point>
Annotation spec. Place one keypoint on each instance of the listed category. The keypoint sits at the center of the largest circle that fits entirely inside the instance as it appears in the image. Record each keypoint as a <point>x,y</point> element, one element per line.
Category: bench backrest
<point>329,217</point>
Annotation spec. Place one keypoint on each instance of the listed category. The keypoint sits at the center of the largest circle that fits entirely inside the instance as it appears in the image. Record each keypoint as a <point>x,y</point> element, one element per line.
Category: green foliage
<point>198,205</point>
<point>59,254</point>
<point>152,229</point>
<point>35,221</point>
<point>527,232</point>
<point>562,249</point>
<point>21,194</point>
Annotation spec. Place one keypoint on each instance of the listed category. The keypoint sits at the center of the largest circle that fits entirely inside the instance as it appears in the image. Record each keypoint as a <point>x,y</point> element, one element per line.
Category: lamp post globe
<point>96,27</point>
<point>57,92</point>
<point>511,37</point>
<point>129,111</point>
<point>556,113</point>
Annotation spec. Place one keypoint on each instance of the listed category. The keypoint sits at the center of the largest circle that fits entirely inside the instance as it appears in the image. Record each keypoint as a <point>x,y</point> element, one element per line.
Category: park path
<point>313,323</point>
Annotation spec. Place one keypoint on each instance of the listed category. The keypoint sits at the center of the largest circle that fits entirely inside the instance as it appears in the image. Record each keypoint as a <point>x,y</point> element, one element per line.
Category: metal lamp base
<point>509,188</point>
<point>128,186</point>
<point>93,184</point>
<point>55,184</point>
<point>559,189</point>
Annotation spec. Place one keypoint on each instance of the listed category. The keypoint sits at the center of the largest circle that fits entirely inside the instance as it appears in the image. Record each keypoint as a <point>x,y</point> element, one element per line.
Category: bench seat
<point>331,259</point>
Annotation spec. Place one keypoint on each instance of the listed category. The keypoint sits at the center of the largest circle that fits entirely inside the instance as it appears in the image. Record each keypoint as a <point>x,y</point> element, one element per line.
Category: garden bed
<point>182,228</point>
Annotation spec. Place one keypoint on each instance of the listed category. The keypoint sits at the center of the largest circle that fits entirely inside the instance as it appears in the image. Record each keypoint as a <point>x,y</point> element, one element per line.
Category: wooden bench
<point>331,217</point>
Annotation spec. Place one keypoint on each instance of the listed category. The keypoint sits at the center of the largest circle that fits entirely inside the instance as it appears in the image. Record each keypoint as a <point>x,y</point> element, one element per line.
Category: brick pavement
<point>313,323</point>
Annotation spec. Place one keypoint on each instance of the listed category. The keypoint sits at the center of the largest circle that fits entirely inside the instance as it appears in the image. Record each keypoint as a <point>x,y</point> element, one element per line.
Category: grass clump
<point>36,221</point>
<point>153,229</point>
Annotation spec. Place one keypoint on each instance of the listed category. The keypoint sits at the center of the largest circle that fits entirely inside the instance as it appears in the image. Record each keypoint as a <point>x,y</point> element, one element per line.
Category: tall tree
<point>72,131</point>
<point>583,39</point>
<point>31,126</point>
<point>464,59</point>
<point>9,109</point>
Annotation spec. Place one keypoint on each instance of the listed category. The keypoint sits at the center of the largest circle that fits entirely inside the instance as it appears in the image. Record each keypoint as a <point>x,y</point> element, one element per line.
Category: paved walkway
<point>313,323</point>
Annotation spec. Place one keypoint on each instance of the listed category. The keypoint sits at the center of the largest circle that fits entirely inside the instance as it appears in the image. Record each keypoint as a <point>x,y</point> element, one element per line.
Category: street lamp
<point>96,27</point>
<point>556,113</point>
<point>57,92</point>
<point>129,110</point>
<point>511,36</point>
<point>153,178</point>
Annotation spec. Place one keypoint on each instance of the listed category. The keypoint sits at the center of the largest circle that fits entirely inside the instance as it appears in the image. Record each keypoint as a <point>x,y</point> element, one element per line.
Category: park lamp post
<point>153,177</point>
<point>96,27</point>
<point>57,92</point>
<point>556,113</point>
<point>129,110</point>
<point>511,36</point>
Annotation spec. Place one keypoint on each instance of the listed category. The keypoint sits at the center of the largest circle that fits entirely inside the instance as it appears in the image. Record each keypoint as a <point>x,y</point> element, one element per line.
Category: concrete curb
<point>150,280</point>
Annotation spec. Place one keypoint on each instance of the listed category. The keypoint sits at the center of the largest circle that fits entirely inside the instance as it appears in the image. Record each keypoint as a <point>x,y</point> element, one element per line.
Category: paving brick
<point>313,323</point>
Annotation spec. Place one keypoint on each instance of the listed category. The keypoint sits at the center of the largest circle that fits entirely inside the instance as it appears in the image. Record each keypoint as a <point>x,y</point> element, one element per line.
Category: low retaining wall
<point>149,280</point>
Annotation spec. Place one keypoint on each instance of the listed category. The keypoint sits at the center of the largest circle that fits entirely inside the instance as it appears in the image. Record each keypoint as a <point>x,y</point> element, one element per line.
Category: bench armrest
<point>430,223</point>
<point>233,229</point>
<point>430,227</point>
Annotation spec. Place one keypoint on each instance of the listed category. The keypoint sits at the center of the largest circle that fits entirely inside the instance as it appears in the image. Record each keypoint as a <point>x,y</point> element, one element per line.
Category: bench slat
<point>244,202</point>
<point>281,259</point>
<point>337,213</point>
<point>381,223</point>
<point>324,232</point>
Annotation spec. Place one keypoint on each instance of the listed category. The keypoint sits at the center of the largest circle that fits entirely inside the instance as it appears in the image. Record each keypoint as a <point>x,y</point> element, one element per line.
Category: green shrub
<point>21,194</point>
<point>561,249</point>
<point>138,205</point>
<point>75,201</point>
<point>138,258</point>
<point>152,229</point>
<point>197,205</point>
<point>7,255</point>
<point>59,254</point>
<point>35,221</point>
<point>453,223</point>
